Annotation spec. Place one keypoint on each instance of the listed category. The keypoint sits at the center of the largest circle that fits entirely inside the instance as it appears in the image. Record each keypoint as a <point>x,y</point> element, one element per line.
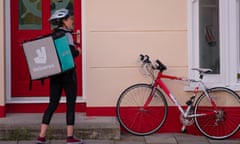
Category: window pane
<point>58,4</point>
<point>209,35</point>
<point>30,14</point>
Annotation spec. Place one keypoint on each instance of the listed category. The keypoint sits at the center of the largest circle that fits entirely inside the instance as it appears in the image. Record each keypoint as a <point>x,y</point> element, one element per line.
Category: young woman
<point>66,81</point>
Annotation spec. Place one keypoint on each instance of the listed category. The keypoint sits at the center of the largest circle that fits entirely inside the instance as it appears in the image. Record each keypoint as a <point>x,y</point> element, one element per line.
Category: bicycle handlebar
<point>146,61</point>
<point>145,58</point>
<point>148,66</point>
<point>160,66</point>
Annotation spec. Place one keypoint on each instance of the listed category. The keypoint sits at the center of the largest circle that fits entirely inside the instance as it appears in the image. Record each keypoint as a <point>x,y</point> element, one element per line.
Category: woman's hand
<point>79,51</point>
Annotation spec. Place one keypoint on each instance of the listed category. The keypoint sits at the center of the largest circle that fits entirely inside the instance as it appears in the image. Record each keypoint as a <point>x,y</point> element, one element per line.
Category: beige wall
<point>118,31</point>
<point>2,47</point>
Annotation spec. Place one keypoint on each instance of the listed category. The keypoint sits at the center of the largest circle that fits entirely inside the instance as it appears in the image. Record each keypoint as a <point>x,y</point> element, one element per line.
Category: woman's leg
<point>43,130</point>
<point>55,95</point>
<point>70,87</point>
<point>69,130</point>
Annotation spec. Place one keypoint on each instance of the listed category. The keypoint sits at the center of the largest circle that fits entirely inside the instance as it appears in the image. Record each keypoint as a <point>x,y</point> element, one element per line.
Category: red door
<point>29,19</point>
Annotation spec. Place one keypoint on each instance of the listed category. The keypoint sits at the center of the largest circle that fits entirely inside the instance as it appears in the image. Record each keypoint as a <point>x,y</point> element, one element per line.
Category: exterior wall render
<point>2,59</point>
<point>118,31</point>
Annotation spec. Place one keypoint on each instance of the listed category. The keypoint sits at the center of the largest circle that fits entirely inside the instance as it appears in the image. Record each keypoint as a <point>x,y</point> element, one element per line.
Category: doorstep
<point>27,127</point>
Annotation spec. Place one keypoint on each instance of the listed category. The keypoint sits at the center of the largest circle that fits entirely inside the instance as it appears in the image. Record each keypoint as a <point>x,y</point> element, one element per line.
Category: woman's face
<point>68,23</point>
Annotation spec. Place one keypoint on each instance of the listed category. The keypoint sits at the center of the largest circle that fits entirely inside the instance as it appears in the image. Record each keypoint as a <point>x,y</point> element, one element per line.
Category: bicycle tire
<point>132,115</point>
<point>226,122</point>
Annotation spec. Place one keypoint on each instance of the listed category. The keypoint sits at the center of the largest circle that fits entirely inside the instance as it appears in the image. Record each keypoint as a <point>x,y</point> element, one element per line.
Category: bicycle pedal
<point>184,131</point>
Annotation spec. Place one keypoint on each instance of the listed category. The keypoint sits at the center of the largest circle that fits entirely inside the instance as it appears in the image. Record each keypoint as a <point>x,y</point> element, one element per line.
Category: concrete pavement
<point>24,128</point>
<point>164,138</point>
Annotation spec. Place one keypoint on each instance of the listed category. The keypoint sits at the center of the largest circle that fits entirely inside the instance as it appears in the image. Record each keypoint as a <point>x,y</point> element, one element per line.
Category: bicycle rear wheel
<point>226,121</point>
<point>136,118</point>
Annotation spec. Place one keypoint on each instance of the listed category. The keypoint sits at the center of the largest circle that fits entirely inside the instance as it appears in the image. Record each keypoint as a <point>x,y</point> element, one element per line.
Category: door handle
<point>78,36</point>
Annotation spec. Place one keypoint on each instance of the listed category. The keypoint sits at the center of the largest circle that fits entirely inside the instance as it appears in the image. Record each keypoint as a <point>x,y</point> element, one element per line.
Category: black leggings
<point>68,82</point>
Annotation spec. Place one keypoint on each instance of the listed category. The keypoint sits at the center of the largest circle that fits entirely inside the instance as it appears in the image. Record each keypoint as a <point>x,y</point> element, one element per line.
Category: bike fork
<point>150,97</point>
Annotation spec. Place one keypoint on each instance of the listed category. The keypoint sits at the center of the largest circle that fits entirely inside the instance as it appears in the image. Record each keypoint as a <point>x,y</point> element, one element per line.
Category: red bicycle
<point>142,108</point>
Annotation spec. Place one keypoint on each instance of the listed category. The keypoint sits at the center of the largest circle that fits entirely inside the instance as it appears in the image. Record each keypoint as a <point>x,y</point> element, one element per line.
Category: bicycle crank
<point>186,121</point>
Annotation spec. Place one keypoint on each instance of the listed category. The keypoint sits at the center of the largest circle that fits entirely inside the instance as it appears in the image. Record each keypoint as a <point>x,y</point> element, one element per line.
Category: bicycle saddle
<point>202,70</point>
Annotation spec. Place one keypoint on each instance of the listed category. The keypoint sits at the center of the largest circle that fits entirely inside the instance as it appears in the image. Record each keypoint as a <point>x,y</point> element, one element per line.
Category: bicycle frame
<point>200,85</point>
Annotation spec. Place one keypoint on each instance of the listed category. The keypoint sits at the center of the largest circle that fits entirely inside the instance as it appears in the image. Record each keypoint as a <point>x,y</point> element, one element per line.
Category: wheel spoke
<point>136,118</point>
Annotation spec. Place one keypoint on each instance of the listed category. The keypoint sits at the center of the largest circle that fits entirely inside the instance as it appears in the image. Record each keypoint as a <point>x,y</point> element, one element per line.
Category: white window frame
<point>229,44</point>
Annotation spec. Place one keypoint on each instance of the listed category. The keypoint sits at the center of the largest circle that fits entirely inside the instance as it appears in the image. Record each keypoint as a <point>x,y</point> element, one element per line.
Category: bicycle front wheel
<point>225,122</point>
<point>137,117</point>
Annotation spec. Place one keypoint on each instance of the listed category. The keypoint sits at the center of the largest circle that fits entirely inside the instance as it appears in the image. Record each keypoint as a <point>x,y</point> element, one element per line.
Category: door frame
<point>22,100</point>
